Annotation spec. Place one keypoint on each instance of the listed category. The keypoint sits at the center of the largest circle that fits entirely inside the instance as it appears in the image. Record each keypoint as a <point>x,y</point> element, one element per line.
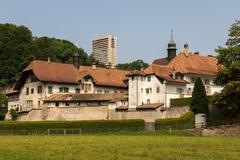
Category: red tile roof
<point>163,72</point>
<point>192,63</point>
<point>104,76</point>
<point>53,72</point>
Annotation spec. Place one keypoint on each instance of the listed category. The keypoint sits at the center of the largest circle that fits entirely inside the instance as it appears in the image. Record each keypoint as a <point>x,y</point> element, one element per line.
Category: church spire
<point>171,48</point>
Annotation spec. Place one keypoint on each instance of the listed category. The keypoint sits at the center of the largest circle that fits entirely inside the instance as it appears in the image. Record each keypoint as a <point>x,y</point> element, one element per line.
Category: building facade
<point>104,49</point>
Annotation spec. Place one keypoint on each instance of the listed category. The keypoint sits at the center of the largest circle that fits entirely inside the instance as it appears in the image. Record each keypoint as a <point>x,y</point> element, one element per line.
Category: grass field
<point>121,146</point>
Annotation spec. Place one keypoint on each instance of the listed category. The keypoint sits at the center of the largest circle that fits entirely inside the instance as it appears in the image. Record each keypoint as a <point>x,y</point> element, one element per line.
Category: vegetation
<point>3,106</point>
<point>199,102</point>
<point>180,102</point>
<point>128,147</point>
<point>14,114</point>
<point>41,127</point>
<point>229,74</point>
<point>18,48</point>
<point>185,121</point>
<point>135,65</point>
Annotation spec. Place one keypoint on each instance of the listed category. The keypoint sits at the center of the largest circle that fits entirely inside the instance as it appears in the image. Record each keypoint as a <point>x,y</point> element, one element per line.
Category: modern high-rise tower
<point>104,49</point>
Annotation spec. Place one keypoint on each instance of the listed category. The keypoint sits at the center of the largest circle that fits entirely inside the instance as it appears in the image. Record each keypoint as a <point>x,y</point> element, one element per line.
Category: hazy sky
<point>141,26</point>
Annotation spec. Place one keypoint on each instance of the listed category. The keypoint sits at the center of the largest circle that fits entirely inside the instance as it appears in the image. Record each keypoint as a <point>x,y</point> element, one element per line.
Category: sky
<point>142,27</point>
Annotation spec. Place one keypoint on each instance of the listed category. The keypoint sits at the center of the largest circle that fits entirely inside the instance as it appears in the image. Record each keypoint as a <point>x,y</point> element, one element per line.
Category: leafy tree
<point>199,102</point>
<point>229,73</point>
<point>3,106</point>
<point>18,48</point>
<point>14,114</point>
<point>135,65</point>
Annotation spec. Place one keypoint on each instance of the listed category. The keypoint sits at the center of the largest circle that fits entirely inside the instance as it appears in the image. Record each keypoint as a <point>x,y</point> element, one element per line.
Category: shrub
<point>14,114</point>
<point>199,102</point>
<point>180,102</point>
<point>41,127</point>
<point>185,121</point>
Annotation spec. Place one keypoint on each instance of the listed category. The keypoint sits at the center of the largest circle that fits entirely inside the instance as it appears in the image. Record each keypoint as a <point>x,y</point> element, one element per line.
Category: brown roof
<point>161,61</point>
<point>104,76</point>
<point>191,63</point>
<point>136,72</point>
<point>163,72</point>
<point>87,97</point>
<point>53,72</point>
<point>122,108</point>
<point>150,106</point>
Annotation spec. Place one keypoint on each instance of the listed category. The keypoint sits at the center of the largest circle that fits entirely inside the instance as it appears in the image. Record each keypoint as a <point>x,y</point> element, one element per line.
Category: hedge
<point>181,102</point>
<point>185,121</point>
<point>95,126</point>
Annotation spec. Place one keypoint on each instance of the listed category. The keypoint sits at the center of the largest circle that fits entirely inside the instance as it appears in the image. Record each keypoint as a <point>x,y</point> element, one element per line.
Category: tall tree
<point>229,72</point>
<point>199,102</point>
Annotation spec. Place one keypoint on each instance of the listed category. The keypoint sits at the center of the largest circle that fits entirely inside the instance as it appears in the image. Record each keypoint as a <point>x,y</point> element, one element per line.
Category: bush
<point>41,127</point>
<point>180,102</point>
<point>185,121</point>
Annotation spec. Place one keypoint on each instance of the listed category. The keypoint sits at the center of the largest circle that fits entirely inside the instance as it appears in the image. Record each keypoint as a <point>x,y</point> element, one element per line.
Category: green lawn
<point>121,146</point>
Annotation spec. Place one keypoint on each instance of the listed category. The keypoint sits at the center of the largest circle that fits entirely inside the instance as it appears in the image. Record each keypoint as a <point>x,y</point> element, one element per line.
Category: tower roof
<point>171,44</point>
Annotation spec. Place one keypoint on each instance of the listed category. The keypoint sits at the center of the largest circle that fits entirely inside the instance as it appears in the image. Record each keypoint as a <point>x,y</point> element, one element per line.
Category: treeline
<point>18,47</point>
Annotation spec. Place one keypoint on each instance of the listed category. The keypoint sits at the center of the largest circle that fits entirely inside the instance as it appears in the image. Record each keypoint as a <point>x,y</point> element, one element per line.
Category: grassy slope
<point>118,147</point>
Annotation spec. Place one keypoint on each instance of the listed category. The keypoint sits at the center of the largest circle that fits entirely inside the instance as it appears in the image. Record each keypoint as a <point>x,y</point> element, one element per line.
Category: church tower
<point>172,50</point>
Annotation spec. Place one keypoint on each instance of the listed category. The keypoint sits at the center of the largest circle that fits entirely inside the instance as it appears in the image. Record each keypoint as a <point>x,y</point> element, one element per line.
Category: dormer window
<point>149,78</point>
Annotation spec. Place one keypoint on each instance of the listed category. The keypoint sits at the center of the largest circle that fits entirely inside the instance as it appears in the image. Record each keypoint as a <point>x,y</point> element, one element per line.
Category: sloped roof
<point>194,63</point>
<point>163,72</point>
<point>191,63</point>
<point>53,72</point>
<point>104,76</point>
<point>87,97</point>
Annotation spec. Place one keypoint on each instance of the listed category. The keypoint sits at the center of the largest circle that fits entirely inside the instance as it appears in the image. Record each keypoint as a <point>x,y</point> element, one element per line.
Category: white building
<point>42,80</point>
<point>171,77</point>
<point>104,49</point>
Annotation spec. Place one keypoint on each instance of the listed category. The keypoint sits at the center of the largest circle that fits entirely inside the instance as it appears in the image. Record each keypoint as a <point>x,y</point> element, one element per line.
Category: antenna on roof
<point>171,34</point>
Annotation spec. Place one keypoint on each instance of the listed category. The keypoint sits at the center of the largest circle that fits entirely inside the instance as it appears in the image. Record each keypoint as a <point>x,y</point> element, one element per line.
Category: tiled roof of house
<point>194,63</point>
<point>163,72</point>
<point>161,61</point>
<point>104,76</point>
<point>53,72</point>
<point>136,72</point>
<point>67,73</point>
<point>87,97</point>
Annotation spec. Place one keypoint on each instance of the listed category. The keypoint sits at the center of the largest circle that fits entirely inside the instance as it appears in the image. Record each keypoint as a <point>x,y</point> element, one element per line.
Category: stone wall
<point>98,113</point>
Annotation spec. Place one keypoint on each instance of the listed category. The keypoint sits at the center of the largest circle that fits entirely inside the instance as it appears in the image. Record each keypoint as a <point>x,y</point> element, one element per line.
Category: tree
<point>3,106</point>
<point>199,102</point>
<point>229,73</point>
<point>18,48</point>
<point>135,65</point>
<point>14,114</point>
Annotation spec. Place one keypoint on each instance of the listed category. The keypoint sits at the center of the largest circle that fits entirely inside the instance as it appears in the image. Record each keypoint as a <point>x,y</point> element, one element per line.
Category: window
<point>115,91</point>
<point>99,91</point>
<point>148,90</point>
<point>39,89</point>
<point>49,89</point>
<point>106,91</point>
<point>67,104</point>
<point>29,103</point>
<point>63,89</point>
<point>56,104</point>
<point>34,79</point>
<point>142,78</point>
<point>180,90</point>
<point>149,78</point>
<point>27,91</point>
<point>206,81</point>
<point>77,90</point>
<point>39,103</point>
<point>141,90</point>
<point>148,101</point>
<point>32,90</point>
<point>158,89</point>
<point>132,78</point>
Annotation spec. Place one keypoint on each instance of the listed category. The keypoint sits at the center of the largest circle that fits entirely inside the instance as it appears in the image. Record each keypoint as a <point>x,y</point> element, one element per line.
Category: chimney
<point>94,66</point>
<point>196,53</point>
<point>49,60</point>
<point>186,49</point>
<point>174,73</point>
<point>76,60</point>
